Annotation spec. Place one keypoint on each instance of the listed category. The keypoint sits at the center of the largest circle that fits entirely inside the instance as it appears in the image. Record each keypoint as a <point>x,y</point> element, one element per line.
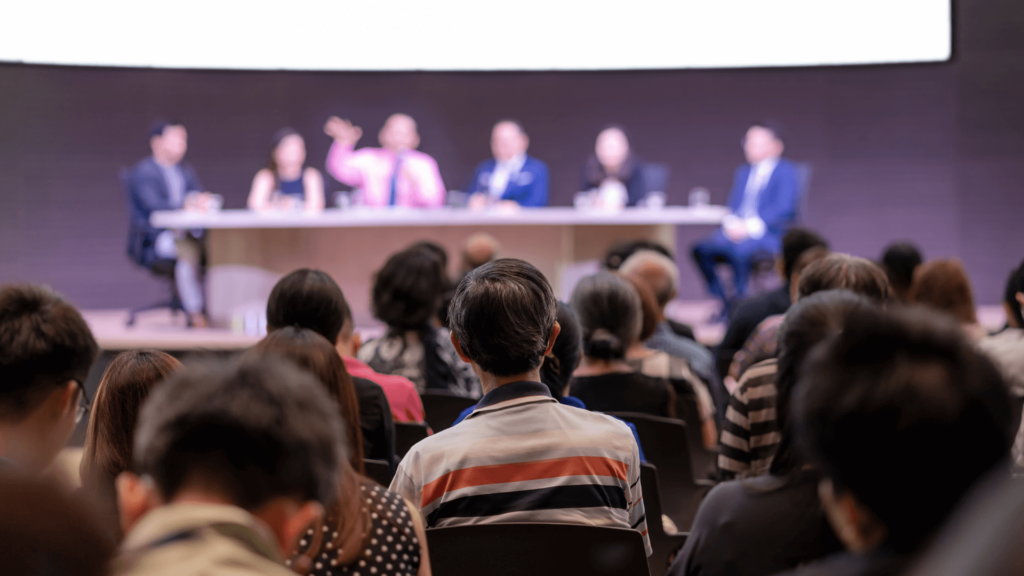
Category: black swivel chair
<point>162,268</point>
<point>705,462</point>
<point>442,408</point>
<point>666,446</point>
<point>536,550</point>
<point>663,545</point>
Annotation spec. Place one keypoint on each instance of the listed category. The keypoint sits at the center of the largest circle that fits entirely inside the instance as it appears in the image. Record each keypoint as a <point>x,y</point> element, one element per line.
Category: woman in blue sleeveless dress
<point>286,183</point>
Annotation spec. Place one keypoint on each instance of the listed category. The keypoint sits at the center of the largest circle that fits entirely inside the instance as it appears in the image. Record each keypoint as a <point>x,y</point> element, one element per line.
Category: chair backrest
<point>536,550</point>
<point>666,446</point>
<point>408,434</point>
<point>378,471</point>
<point>663,545</point>
<point>704,461</point>
<point>442,407</point>
<point>804,171</point>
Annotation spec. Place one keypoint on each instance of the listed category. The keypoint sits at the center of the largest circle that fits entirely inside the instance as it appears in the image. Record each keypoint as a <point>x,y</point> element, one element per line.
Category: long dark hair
<point>559,364</point>
<point>610,315</point>
<point>274,143</point>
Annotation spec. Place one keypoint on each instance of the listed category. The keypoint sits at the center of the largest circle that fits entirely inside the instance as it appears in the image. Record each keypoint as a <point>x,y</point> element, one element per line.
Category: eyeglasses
<point>83,403</point>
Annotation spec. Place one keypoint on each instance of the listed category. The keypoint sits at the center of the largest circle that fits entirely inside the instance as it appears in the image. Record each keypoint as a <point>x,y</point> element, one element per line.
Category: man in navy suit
<point>511,177</point>
<point>163,182</point>
<point>763,205</point>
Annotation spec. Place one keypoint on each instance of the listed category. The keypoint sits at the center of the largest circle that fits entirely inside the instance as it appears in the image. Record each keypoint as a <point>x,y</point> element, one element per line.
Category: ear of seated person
<point>46,350</point>
<point>521,456</point>
<point>903,416</point>
<point>231,465</point>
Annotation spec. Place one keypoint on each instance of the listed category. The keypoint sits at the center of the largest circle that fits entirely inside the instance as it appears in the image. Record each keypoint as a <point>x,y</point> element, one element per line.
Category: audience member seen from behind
<point>312,299</point>
<point>622,250</point>
<point>396,174</point>
<point>762,204</point>
<point>613,171</point>
<point>1007,347</point>
<point>231,465</point>
<point>750,430</point>
<point>746,315</point>
<point>661,365</point>
<point>46,350</point>
<point>44,532</point>
<point>109,440</point>
<point>287,183</point>
<point>610,315</point>
<point>770,523</point>
<point>405,296</point>
<point>163,181</point>
<point>662,274</point>
<point>575,466</point>
<point>351,522</point>
<point>511,178</point>
<point>943,286</point>
<point>899,261</point>
<point>876,408</point>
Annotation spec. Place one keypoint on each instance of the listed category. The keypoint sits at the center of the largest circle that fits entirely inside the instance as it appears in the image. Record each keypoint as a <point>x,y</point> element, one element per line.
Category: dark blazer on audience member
<point>376,422</point>
<point>757,527</point>
<point>744,319</point>
<point>147,191</point>
<point>625,392</point>
<point>528,187</point>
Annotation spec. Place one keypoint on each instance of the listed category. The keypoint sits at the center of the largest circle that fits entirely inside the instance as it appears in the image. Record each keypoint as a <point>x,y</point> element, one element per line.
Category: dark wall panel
<point>930,153</point>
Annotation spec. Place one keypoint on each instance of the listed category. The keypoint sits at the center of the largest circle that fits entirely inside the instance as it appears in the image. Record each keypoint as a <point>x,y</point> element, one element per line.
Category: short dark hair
<point>778,129</point>
<point>899,261</point>
<point>46,531</point>
<point>558,366</point>
<point>623,249</point>
<point>795,242</point>
<point>836,271</point>
<point>1015,285</point>
<point>503,314</point>
<point>515,123</point>
<point>44,344</point>
<point>808,322</point>
<point>610,314</point>
<point>896,394</point>
<point>254,430</point>
<point>308,299</point>
<point>408,289</point>
<point>160,124</point>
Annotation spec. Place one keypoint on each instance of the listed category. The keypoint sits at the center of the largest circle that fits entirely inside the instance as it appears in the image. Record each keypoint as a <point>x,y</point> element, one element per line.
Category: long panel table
<point>248,250</point>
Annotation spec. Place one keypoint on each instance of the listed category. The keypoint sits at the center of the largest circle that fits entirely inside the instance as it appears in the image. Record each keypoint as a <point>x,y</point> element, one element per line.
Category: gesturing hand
<point>342,131</point>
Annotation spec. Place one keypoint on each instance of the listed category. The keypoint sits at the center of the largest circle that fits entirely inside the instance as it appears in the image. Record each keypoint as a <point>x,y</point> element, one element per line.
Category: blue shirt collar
<point>512,391</point>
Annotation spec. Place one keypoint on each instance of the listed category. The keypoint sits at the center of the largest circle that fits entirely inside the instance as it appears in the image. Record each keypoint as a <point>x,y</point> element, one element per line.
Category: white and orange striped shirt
<point>523,457</point>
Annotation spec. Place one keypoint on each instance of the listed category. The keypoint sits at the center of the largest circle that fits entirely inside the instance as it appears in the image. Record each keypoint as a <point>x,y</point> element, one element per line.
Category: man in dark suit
<point>763,205</point>
<point>511,176</point>
<point>163,182</point>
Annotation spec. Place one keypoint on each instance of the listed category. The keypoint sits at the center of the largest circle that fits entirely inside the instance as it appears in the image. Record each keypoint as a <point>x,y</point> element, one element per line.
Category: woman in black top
<point>614,161</point>
<point>609,312</point>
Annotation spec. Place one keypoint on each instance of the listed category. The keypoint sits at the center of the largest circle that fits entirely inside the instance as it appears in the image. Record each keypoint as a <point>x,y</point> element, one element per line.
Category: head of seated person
<point>879,405</point>
<point>407,290</point>
<point>503,321</point>
<point>46,350</point>
<point>899,261</point>
<point>168,140</point>
<point>610,316</point>
<point>795,243</point>
<point>612,152</point>
<point>312,352</point>
<point>1013,298</point>
<point>559,364</point>
<point>764,140</point>
<point>943,286</point>
<point>47,532</point>
<point>809,322</point>
<point>399,133</point>
<point>126,383</point>
<point>260,435</point>
<point>479,249</point>
<point>842,271</point>
<point>311,299</point>
<point>508,140</point>
<point>660,273</point>
<point>623,249</point>
<point>287,155</point>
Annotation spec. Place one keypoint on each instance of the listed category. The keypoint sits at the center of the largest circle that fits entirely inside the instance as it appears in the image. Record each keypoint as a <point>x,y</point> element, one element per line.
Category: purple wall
<point>929,153</point>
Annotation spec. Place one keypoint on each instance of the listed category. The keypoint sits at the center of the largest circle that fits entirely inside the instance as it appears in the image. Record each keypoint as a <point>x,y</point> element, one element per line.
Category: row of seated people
<point>256,462</point>
<point>763,201</point>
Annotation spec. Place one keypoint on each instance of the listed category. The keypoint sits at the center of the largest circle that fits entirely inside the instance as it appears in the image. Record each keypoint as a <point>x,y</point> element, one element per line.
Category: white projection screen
<point>475,35</point>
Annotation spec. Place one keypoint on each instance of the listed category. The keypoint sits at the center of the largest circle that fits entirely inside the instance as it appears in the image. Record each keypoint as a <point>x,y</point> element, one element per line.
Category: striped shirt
<point>523,457</point>
<point>750,433</point>
<point>762,344</point>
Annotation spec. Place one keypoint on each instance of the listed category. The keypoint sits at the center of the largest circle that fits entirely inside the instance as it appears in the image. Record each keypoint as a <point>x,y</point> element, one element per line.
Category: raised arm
<point>341,160</point>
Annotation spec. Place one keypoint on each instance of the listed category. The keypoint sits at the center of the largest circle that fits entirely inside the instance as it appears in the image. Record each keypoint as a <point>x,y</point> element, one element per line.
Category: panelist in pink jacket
<point>395,175</point>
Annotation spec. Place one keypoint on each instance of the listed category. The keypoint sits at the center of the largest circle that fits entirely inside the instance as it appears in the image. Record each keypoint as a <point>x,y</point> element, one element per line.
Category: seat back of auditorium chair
<point>442,407</point>
<point>664,545</point>
<point>407,434</point>
<point>704,461</point>
<point>666,446</point>
<point>378,471</point>
<point>536,550</point>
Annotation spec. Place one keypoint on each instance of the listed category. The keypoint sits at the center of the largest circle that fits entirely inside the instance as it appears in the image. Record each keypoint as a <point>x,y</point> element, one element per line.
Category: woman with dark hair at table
<point>614,166</point>
<point>286,183</point>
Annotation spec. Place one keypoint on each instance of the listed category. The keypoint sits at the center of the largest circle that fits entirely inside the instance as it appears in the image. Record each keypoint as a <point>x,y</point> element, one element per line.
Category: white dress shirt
<point>503,171</point>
